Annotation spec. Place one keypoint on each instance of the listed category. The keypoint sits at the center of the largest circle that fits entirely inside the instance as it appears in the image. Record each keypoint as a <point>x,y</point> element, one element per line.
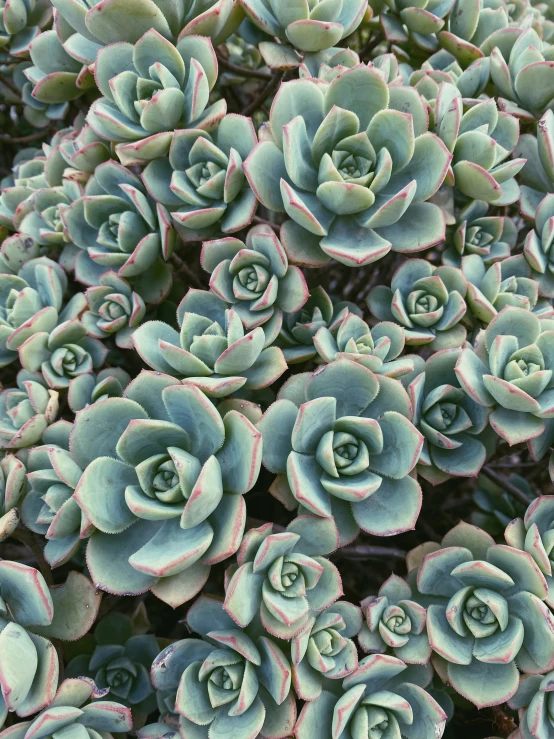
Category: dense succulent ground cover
<point>277,361</point>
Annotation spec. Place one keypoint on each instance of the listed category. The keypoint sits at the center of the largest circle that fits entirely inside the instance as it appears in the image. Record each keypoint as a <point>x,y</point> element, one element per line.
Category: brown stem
<point>506,485</point>
<point>258,101</point>
<point>28,538</point>
<point>368,551</point>
<point>265,222</point>
<point>9,84</point>
<point>182,266</point>
<point>25,139</point>
<point>256,74</point>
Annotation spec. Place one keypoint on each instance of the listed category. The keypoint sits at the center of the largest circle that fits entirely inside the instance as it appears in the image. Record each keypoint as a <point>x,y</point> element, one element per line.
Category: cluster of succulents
<point>276,313</point>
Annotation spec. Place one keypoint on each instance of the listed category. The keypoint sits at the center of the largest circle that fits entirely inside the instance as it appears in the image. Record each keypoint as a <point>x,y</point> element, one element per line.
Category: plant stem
<point>368,551</point>
<point>506,485</point>
<point>242,71</point>
<point>272,85</point>
<point>25,139</point>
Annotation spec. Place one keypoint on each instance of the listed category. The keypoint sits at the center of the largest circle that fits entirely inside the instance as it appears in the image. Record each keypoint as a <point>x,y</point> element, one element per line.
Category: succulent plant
<point>71,712</point>
<point>538,248</point>
<point>31,614</point>
<point>151,88</point>
<point>116,226</point>
<point>472,29</point>
<point>113,309</point>
<point>62,354</point>
<point>26,411</point>
<point>280,578</point>
<point>490,237</point>
<point>213,350</point>
<point>296,336</point>
<point>427,301</point>
<point>35,112</point>
<point>324,649</point>
<point>481,139</point>
<point>202,181</point>
<point>401,21</point>
<point>521,73</point>
<point>20,22</point>
<point>495,507</point>
<point>120,663</point>
<point>177,470</point>
<point>454,425</point>
<point>341,442</point>
<point>538,173</point>
<point>12,491</point>
<point>82,151</point>
<point>509,370</point>
<point>534,533</point>
<point>33,301</point>
<point>486,612</point>
<point>395,623</point>
<point>327,64</point>
<point>254,277</point>
<point>349,188</point>
<point>49,507</point>
<point>86,389</point>
<point>504,283</point>
<point>227,682</point>
<point>378,348</point>
<point>309,27</point>
<point>534,705</point>
<point>378,698</point>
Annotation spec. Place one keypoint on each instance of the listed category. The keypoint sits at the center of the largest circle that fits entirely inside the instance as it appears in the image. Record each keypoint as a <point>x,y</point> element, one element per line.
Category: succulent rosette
<point>539,247</point>
<point>86,389</point>
<point>534,703</point>
<point>64,353</point>
<point>534,533</point>
<point>490,237</point>
<point>114,309</point>
<point>202,181</point>
<point>343,447</point>
<point>30,615</point>
<point>486,613</point>
<point>281,579</point>
<point>327,64</point>
<point>481,139</point>
<point>378,348</point>
<point>20,22</point>
<point>213,350</point>
<point>120,663</point>
<point>393,622</point>
<point>383,696</point>
<point>504,283</point>
<point>521,70</point>
<point>537,175</point>
<point>26,411</point>
<point>324,649</point>
<point>71,712</point>
<point>352,189</point>
<point>151,88</point>
<point>309,27</point>
<point>12,491</point>
<point>32,301</point>
<point>163,485</point>
<point>509,369</point>
<point>472,29</point>
<point>454,425</point>
<point>254,277</point>
<point>296,336</point>
<point>116,226</point>
<point>82,151</point>
<point>402,21</point>
<point>40,216</point>
<point>427,301</point>
<point>49,507</point>
<point>229,682</point>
